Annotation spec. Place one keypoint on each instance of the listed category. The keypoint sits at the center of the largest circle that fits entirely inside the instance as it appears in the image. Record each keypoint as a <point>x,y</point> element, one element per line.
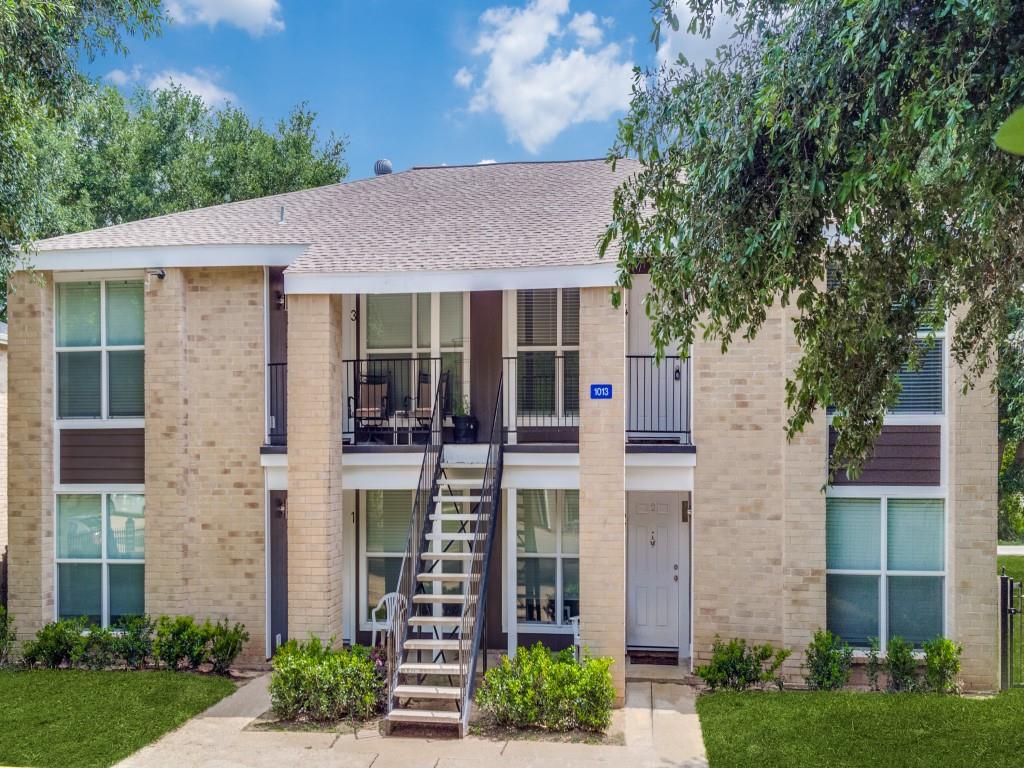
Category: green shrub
<point>133,642</point>
<point>312,681</point>
<point>541,689</point>
<point>97,649</point>
<point>736,666</point>
<point>874,664</point>
<point>900,665</point>
<point>942,665</point>
<point>7,634</point>
<point>56,644</point>
<point>180,639</point>
<point>828,662</point>
<point>226,644</point>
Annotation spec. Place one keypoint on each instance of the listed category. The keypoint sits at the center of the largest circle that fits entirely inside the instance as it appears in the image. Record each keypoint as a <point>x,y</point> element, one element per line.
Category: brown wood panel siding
<point>903,455</point>
<point>278,317</point>
<point>484,354</point>
<point>103,456</point>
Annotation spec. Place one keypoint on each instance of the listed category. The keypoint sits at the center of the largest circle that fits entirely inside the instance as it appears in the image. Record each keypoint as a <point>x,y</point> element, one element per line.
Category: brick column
<point>972,508</point>
<point>30,477</point>
<point>314,466</point>
<point>603,482</point>
<point>168,512</point>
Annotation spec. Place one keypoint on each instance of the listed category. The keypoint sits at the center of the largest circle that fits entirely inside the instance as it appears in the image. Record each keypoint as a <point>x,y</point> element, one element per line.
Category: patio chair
<point>390,603</point>
<point>370,405</point>
<point>577,648</point>
<point>421,408</point>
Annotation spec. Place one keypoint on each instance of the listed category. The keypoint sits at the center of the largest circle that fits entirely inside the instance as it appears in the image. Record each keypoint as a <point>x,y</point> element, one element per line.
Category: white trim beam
<point>154,257</point>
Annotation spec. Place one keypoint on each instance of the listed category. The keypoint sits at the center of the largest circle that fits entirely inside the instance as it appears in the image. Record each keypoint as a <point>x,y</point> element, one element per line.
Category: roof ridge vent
<point>382,167</point>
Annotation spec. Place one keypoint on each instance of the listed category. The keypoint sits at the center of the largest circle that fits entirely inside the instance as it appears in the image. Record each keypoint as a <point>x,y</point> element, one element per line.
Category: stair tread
<point>448,464</point>
<point>444,577</point>
<point>450,621</point>
<point>460,482</point>
<point>455,536</point>
<point>428,668</point>
<point>426,692</point>
<point>445,498</point>
<point>432,644</point>
<point>439,598</point>
<point>425,716</point>
<point>449,555</point>
<point>457,516</point>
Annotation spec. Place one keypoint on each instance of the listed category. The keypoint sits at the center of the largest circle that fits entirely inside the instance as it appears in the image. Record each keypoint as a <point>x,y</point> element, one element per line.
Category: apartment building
<point>260,410</point>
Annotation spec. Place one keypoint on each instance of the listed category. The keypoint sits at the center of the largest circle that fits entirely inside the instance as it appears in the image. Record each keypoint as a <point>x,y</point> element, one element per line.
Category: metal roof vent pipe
<point>382,167</point>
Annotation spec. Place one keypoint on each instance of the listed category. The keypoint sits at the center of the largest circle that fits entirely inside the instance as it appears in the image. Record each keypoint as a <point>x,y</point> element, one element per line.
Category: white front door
<point>656,399</point>
<point>657,577</point>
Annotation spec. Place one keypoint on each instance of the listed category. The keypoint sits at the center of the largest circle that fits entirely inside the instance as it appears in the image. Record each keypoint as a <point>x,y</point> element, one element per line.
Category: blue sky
<point>417,81</point>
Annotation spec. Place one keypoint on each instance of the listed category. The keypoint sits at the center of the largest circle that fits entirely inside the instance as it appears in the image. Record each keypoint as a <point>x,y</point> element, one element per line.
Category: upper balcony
<point>406,343</point>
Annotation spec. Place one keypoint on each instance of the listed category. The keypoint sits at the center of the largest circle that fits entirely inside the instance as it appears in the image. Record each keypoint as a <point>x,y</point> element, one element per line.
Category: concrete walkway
<point>659,725</point>
<point>1010,549</point>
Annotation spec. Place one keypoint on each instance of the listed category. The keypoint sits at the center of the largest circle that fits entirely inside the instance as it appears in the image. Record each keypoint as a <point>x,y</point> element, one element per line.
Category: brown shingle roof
<point>447,217</point>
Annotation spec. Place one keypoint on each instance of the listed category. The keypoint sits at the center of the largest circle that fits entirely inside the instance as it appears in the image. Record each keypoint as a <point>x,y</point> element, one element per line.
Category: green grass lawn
<point>799,729</point>
<point>78,718</point>
<point>1014,565</point>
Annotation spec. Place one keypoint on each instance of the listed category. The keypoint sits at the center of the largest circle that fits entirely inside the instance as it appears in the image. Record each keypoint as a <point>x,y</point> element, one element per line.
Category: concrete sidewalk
<point>659,724</point>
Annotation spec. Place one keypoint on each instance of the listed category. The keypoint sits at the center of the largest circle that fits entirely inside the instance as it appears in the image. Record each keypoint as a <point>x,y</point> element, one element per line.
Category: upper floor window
<point>418,326</point>
<point>548,352</point>
<point>923,389</point>
<point>100,343</point>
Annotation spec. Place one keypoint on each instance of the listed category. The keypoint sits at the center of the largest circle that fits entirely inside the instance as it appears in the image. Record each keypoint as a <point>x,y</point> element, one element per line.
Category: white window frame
<point>415,350</point>
<point>104,492</point>
<point>104,420</point>
<point>539,627</point>
<point>883,572</point>
<point>365,555</point>
<point>559,348</point>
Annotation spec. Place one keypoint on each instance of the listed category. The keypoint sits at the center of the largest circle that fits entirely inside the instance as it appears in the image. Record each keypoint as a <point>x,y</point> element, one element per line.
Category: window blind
<point>387,520</point>
<point>125,385</point>
<point>451,320</point>
<point>916,540</point>
<point>853,534</point>
<point>125,313</point>
<point>571,316</point>
<point>537,317</point>
<point>78,314</point>
<point>78,385</point>
<point>922,389</point>
<point>423,320</point>
<point>389,321</point>
<point>79,526</point>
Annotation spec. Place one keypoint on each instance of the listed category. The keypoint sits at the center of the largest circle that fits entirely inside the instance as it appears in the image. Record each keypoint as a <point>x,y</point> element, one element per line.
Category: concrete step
<point>450,555</point>
<point>444,498</point>
<point>460,482</point>
<point>459,517</point>
<point>426,692</point>
<point>437,717</point>
<point>428,668</point>
<point>441,577</point>
<point>456,536</point>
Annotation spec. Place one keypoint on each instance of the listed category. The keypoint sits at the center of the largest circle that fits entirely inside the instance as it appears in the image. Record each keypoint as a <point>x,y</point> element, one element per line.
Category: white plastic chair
<point>390,603</point>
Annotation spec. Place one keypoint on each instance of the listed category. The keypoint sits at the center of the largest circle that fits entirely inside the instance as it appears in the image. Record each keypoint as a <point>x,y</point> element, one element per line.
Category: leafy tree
<point>41,44</point>
<point>119,159</point>
<point>853,137</point>
<point>1010,383</point>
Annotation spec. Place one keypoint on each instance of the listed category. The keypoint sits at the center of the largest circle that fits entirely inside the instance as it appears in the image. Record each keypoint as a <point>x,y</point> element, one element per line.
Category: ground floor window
<point>885,560</point>
<point>100,556</point>
<point>547,587</point>
<point>385,518</point>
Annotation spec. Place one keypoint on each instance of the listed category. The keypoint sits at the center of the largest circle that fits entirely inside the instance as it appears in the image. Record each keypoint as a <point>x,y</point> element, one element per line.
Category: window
<point>547,585</point>
<point>548,346</point>
<point>385,536</point>
<point>885,561</point>
<point>402,326</point>
<point>99,342</point>
<point>100,556</point>
<point>923,389</point>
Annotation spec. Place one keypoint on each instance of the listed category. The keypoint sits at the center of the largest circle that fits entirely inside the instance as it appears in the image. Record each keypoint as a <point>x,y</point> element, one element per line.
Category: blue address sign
<point>600,391</point>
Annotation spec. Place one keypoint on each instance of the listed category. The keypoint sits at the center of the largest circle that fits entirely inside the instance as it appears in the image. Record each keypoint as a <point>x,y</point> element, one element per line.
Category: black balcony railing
<point>277,405</point>
<point>542,396</point>
<point>658,400</point>
<point>389,399</point>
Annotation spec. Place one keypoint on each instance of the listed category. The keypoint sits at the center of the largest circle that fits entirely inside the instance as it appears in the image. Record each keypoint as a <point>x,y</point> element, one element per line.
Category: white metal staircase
<point>434,648</point>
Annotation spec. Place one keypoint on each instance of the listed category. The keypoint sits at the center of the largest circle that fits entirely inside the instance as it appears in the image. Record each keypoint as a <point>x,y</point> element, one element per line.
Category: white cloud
<point>696,48</point>
<point>199,81</point>
<point>539,88</point>
<point>586,29</point>
<point>463,78</point>
<point>487,161</point>
<point>121,79</point>
<point>257,17</point>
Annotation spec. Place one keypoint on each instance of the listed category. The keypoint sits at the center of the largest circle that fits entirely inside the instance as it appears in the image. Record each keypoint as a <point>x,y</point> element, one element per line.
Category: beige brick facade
<point>205,423</point>
<point>3,447</point>
<point>30,475</point>
<point>603,481</point>
<point>972,510</point>
<point>314,466</point>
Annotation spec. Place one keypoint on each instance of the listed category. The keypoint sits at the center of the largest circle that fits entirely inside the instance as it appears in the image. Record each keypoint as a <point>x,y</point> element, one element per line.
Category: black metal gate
<point>1011,632</point>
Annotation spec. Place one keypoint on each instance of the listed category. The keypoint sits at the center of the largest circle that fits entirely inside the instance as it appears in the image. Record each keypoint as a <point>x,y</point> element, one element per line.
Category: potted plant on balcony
<point>463,421</point>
